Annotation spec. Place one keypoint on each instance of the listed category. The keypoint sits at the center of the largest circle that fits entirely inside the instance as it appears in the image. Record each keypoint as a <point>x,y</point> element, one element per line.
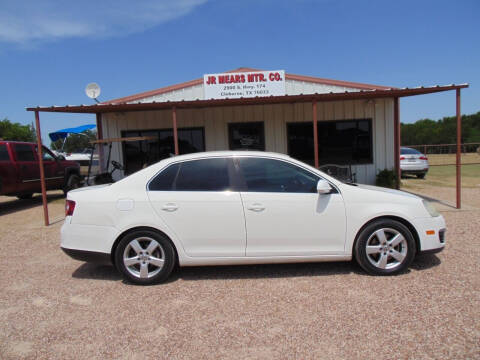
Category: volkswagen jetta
<point>222,208</point>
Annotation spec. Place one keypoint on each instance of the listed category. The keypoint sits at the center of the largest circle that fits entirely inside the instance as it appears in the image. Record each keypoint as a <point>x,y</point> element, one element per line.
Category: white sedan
<point>413,162</point>
<point>222,208</point>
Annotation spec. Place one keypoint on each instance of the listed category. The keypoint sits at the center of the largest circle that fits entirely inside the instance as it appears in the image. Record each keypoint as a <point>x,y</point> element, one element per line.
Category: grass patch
<point>446,176</point>
<point>445,159</point>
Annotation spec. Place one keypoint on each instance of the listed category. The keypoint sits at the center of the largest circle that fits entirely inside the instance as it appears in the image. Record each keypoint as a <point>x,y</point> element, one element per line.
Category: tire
<point>25,196</point>
<point>421,176</point>
<point>388,254</point>
<point>73,182</point>
<point>145,257</point>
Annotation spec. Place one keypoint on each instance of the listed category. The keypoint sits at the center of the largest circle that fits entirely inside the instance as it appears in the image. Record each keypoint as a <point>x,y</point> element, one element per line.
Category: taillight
<point>423,158</point>
<point>402,157</point>
<point>69,207</point>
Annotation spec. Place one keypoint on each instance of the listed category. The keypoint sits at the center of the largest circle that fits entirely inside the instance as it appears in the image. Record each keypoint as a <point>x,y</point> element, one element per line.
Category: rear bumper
<point>422,171</point>
<point>88,256</point>
<point>87,242</point>
<point>415,168</point>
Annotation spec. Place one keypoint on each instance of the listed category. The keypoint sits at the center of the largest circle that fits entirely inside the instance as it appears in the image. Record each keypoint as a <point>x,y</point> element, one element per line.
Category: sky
<point>50,50</point>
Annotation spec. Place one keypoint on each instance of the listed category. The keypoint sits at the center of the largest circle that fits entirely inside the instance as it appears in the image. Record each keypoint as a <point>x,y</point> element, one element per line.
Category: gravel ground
<point>54,307</point>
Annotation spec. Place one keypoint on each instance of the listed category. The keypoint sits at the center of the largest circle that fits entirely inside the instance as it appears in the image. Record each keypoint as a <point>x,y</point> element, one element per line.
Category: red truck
<point>20,172</point>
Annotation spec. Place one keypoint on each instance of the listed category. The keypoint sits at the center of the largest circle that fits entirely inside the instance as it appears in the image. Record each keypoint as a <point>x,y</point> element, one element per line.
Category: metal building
<point>354,132</point>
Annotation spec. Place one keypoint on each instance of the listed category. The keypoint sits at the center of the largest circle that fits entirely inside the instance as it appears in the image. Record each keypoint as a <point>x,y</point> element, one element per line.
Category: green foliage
<point>16,132</point>
<point>75,142</point>
<point>386,178</point>
<point>442,131</point>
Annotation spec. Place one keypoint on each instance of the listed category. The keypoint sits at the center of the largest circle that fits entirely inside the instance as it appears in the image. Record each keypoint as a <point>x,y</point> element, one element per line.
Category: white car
<point>413,162</point>
<point>241,207</point>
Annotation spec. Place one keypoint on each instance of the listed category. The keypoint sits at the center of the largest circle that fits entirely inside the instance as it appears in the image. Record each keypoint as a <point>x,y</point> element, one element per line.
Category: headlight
<point>430,208</point>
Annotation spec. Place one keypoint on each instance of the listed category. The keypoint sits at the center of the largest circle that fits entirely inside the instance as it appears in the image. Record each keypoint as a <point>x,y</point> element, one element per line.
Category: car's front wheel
<point>385,247</point>
<point>145,257</point>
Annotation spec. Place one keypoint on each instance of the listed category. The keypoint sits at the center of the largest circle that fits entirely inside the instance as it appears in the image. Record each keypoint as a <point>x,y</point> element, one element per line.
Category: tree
<point>75,142</point>
<point>442,131</point>
<point>16,132</point>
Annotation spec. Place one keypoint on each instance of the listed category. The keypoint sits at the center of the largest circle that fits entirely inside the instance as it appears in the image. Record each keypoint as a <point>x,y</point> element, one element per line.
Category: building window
<point>246,136</point>
<point>300,141</point>
<point>339,142</point>
<point>138,154</point>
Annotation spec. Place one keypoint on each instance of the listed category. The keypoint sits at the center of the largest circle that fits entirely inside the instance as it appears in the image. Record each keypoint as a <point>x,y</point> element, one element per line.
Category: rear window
<point>195,175</point>
<point>4,153</point>
<point>24,152</point>
<point>409,151</point>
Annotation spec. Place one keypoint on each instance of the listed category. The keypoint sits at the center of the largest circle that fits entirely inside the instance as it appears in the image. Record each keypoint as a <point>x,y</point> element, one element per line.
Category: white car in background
<point>413,162</point>
<point>240,207</point>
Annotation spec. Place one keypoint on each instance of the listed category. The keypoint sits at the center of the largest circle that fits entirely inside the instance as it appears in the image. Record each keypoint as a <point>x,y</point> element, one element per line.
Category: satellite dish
<point>92,90</point>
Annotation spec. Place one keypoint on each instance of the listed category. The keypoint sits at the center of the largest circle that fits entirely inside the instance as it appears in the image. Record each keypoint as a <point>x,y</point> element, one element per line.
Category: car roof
<point>206,154</point>
<point>153,169</point>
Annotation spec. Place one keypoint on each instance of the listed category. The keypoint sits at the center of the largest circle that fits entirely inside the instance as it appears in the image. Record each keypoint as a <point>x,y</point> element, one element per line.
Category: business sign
<point>244,84</point>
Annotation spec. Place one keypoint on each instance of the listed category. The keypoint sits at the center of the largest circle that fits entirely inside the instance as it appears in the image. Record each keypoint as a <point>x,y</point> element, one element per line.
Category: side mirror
<point>323,187</point>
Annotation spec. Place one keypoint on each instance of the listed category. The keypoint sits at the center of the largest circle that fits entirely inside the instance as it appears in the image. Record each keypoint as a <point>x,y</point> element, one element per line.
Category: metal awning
<point>123,139</point>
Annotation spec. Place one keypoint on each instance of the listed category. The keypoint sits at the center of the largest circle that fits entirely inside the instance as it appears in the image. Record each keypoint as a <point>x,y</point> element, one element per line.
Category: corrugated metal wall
<point>275,117</point>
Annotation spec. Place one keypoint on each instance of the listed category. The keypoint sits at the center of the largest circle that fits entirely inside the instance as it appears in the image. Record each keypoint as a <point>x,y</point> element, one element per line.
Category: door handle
<point>170,207</point>
<point>256,207</point>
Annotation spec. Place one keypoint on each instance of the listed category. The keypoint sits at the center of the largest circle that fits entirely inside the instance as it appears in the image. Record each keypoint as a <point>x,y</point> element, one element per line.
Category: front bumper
<point>431,232</point>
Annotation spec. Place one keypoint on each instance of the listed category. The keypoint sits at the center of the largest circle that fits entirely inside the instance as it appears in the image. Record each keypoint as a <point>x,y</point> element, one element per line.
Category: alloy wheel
<point>386,248</point>
<point>144,257</point>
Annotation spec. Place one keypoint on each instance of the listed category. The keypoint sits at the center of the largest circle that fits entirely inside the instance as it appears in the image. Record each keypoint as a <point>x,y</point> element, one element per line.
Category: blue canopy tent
<point>62,134</point>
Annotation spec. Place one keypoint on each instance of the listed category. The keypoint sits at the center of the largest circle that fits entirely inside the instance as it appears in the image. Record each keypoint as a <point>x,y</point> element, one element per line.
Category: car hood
<point>386,191</point>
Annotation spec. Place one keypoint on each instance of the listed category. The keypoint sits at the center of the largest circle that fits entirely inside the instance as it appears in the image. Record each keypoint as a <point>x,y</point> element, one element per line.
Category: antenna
<point>93,91</point>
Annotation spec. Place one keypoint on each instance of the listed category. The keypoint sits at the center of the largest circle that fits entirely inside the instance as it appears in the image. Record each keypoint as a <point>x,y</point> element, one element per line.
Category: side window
<point>269,175</point>
<point>195,175</point>
<point>24,152</point>
<point>203,175</point>
<point>4,153</point>
<point>46,154</point>
<point>164,180</point>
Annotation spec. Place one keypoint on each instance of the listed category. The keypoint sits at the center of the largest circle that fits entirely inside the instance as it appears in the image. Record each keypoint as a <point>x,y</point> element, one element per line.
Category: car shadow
<point>263,271</point>
<point>14,205</point>
<point>97,272</point>
<point>425,262</point>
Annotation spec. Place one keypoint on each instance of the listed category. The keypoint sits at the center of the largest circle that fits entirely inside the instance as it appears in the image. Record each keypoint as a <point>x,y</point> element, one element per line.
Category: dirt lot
<point>54,307</point>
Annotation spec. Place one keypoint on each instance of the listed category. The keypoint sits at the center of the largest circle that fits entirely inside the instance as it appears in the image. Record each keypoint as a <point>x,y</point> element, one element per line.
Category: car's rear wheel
<point>421,176</point>
<point>145,257</point>
<point>385,247</point>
